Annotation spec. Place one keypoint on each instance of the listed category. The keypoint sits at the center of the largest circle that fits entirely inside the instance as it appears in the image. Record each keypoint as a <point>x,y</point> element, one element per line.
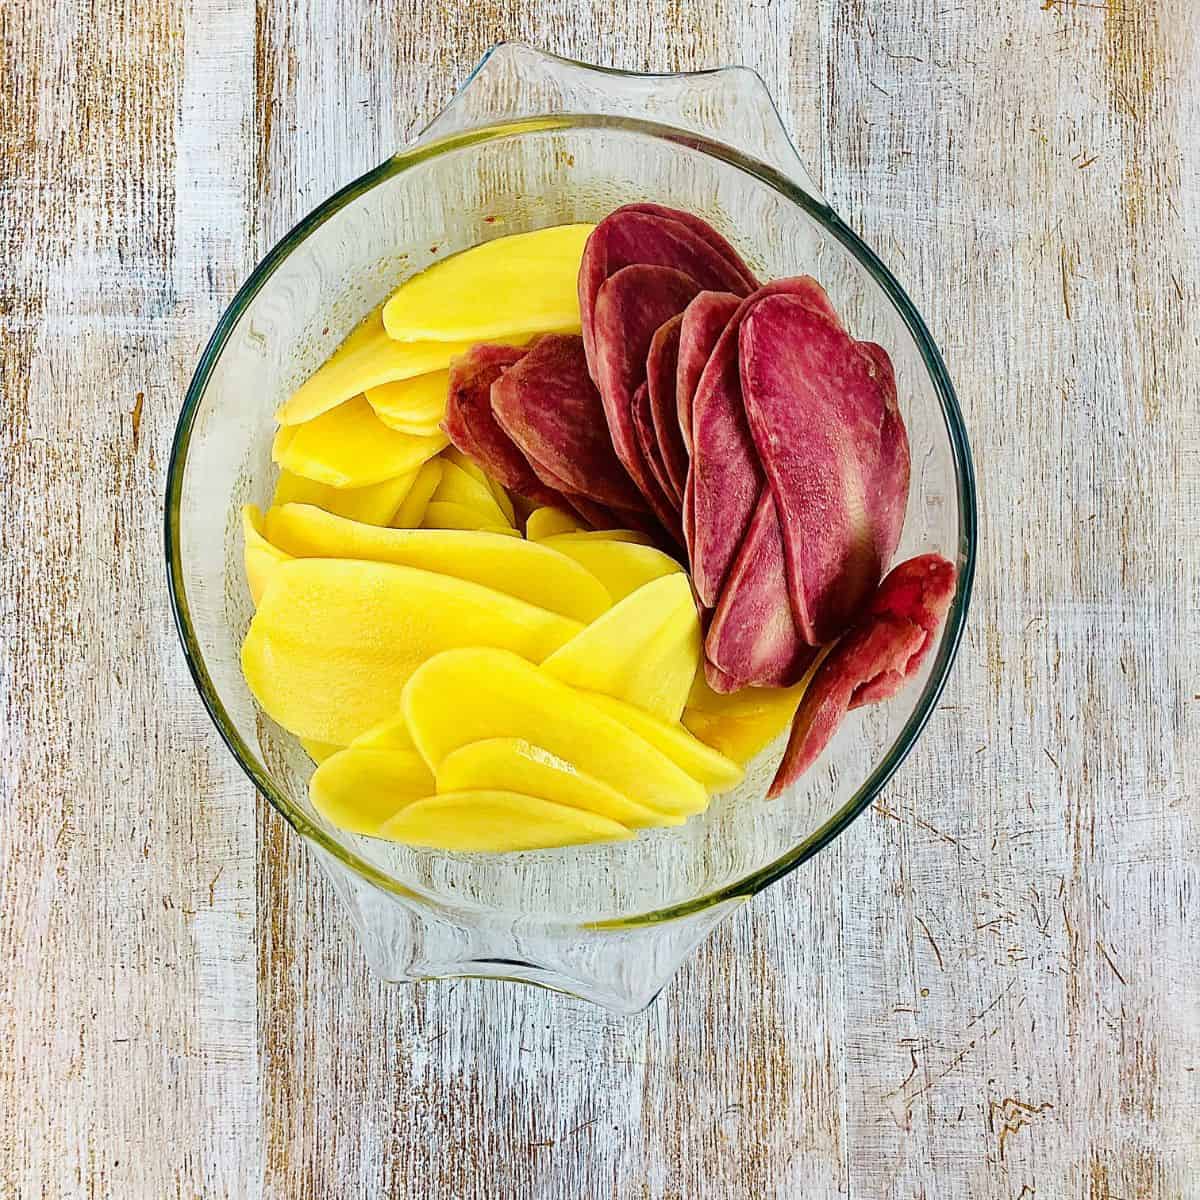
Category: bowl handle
<point>730,104</point>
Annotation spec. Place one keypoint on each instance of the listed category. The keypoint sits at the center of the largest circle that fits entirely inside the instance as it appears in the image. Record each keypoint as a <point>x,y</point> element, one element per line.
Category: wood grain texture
<point>988,987</point>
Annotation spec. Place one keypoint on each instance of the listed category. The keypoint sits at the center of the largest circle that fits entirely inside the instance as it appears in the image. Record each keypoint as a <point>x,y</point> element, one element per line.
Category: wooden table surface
<point>989,987</point>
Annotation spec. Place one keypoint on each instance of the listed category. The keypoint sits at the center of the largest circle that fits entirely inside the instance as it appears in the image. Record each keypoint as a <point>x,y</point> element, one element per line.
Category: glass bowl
<point>529,141</point>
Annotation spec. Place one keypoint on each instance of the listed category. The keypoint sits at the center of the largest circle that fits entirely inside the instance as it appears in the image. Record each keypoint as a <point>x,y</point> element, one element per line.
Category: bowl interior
<point>343,260</point>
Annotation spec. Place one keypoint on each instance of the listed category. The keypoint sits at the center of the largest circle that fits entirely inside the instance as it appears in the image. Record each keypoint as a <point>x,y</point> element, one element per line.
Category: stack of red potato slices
<point>743,426</point>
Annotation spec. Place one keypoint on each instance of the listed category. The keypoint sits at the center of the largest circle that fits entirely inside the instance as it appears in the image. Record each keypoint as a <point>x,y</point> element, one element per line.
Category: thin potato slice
<point>515,765</point>
<point>350,447</point>
<point>531,572</point>
<point>521,284</point>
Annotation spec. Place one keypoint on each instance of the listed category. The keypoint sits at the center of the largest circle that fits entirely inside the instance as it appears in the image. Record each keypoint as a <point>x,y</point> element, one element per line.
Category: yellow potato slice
<point>391,734</point>
<point>466,463</point>
<point>350,447</point>
<point>414,405</point>
<point>411,512</point>
<point>368,358</point>
<point>515,765</point>
<point>457,487</point>
<point>527,570</point>
<point>319,751</point>
<point>742,723</point>
<point>471,695</point>
<point>631,537</point>
<point>358,790</point>
<point>710,767</point>
<point>259,556</point>
<point>334,641</point>
<point>523,283</point>
<point>622,567</point>
<point>496,822</point>
<point>645,649</point>
<point>443,514</point>
<point>547,521</point>
<point>374,505</point>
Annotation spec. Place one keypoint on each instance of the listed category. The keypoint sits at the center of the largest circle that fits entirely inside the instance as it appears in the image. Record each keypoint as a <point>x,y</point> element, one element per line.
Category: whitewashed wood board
<point>989,987</point>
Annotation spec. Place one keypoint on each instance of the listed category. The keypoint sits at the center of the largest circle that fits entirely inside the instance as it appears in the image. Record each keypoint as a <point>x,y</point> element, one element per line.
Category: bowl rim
<point>821,212</point>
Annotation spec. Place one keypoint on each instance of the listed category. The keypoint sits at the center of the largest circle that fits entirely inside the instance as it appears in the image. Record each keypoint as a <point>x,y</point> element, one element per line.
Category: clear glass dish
<point>533,140</point>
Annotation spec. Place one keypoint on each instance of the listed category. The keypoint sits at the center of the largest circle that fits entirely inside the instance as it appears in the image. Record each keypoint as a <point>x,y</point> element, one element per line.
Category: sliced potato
<point>319,751</point>
<point>457,487</point>
<point>350,447</point>
<point>334,640</point>
<point>622,567</point>
<point>414,405</point>
<point>411,511</point>
<point>259,556</point>
<point>444,514</point>
<point>368,358</point>
<point>531,572</point>
<point>466,463</point>
<point>547,521</point>
<point>472,694</point>
<point>521,284</point>
<point>644,650</point>
<point>712,768</point>
<point>496,822</point>
<point>374,505</point>
<point>358,790</point>
<point>515,765</point>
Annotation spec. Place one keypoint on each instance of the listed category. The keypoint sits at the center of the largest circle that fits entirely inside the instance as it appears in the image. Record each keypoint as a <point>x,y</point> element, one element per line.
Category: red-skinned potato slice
<point>873,660</point>
<point>657,236</point>
<point>752,638</point>
<point>662,360</point>
<point>629,309</point>
<point>894,458</point>
<point>550,408</point>
<point>716,679</point>
<point>700,227</point>
<point>701,324</point>
<point>829,437</point>
<point>472,427</point>
<point>643,427</point>
<point>725,479</point>
<point>725,475</point>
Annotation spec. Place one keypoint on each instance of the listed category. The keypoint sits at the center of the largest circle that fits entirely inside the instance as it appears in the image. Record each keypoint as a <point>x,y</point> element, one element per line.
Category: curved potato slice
<point>515,765</point>
<point>546,521</point>
<point>457,487</point>
<point>368,358</point>
<point>466,463</point>
<point>739,724</point>
<point>523,283</point>
<point>374,505</point>
<point>710,767</point>
<point>334,641</point>
<point>645,649</point>
<point>391,734</point>
<point>359,789</point>
<point>445,514</point>
<point>622,567</point>
<point>495,822</point>
<point>411,511</point>
<point>319,751</point>
<point>259,556</point>
<point>531,572</point>
<point>472,694</point>
<point>350,447</point>
<point>633,536</point>
<point>415,405</point>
